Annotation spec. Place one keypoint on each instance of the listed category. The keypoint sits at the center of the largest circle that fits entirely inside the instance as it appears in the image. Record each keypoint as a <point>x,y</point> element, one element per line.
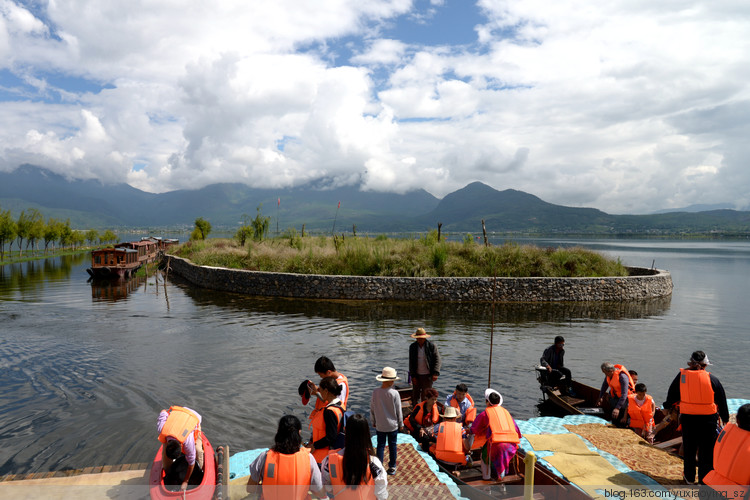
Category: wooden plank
<point>669,444</point>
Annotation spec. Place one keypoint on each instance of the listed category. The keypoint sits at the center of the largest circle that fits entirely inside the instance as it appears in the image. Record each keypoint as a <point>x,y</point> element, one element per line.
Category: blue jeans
<point>392,450</point>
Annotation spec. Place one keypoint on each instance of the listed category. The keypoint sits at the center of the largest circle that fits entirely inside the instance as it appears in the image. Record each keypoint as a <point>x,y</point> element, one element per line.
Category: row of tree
<point>31,228</point>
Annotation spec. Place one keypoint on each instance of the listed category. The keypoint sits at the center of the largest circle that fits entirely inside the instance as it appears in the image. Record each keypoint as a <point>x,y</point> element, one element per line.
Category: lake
<point>85,369</point>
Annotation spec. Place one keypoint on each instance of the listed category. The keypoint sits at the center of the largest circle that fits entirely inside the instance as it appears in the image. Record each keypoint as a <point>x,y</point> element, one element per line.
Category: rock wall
<point>641,284</point>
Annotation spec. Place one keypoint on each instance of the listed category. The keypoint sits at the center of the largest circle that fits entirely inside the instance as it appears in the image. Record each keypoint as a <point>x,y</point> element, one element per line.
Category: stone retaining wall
<point>642,284</point>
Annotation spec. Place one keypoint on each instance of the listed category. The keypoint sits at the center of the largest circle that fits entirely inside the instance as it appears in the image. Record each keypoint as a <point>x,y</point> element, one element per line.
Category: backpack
<point>340,440</point>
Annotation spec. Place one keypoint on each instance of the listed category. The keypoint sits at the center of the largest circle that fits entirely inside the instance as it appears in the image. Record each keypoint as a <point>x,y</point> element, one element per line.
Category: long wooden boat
<point>469,477</point>
<point>115,262</point>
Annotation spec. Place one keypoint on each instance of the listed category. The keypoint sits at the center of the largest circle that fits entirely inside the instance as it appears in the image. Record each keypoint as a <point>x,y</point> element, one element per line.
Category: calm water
<point>84,370</point>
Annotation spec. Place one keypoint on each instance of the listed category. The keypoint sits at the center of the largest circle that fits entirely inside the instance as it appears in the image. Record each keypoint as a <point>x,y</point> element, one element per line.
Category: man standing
<point>702,402</point>
<point>424,364</point>
<point>620,385</point>
<point>553,360</point>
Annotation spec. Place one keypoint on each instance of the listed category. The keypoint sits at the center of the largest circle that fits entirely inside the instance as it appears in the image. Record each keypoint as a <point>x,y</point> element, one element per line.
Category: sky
<point>625,106</point>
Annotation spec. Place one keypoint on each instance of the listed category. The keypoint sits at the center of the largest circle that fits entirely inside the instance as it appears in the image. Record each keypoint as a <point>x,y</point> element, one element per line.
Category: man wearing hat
<point>502,434</point>
<point>424,364</point>
<point>386,416</point>
<point>702,402</point>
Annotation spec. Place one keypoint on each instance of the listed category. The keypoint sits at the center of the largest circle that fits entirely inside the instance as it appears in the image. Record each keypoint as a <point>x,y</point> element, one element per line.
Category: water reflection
<point>114,290</point>
<point>27,279</point>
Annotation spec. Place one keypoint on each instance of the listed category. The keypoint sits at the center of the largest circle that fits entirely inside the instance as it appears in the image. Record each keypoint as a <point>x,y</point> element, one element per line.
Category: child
<point>641,411</point>
<point>386,416</point>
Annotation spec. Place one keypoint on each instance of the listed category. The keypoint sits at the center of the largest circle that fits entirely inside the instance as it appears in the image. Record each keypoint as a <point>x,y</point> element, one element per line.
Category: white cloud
<point>624,106</point>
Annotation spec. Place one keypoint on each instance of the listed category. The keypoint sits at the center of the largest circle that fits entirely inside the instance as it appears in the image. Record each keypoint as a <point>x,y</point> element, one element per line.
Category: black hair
<point>330,384</point>
<point>743,417</point>
<point>494,398</point>
<point>559,339</point>
<point>324,365</point>
<point>357,450</point>
<point>633,372</point>
<point>173,449</point>
<point>640,387</point>
<point>698,357</point>
<point>462,388</point>
<point>288,438</point>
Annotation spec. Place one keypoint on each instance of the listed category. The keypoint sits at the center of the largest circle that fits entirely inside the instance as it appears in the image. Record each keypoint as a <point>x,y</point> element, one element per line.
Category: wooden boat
<point>583,402</point>
<point>115,262</point>
<point>204,491</point>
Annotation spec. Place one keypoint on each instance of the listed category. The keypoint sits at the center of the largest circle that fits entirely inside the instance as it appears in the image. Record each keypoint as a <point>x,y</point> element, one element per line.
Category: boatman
<point>731,473</point>
<point>620,384</point>
<point>424,364</point>
<point>180,433</point>
<point>553,359</point>
<point>702,402</point>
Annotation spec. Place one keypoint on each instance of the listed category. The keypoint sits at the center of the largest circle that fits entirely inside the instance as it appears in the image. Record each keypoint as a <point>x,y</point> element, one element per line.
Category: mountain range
<point>91,204</point>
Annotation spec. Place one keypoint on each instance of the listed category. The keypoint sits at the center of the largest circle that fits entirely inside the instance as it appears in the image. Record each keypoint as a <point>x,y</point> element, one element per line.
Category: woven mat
<point>634,451</point>
<point>413,478</point>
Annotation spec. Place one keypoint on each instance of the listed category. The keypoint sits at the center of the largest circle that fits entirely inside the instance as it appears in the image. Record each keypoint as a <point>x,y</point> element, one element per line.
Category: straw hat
<point>487,393</point>
<point>387,375</point>
<point>420,334</point>
<point>450,412</point>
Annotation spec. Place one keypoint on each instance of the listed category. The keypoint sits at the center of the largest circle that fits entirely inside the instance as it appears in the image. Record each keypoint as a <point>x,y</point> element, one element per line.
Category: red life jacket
<point>641,417</point>
<point>614,382</point>
<point>420,416</point>
<point>286,476</point>
<point>502,425</point>
<point>179,424</point>
<point>449,446</point>
<point>363,491</point>
<point>696,393</point>
<point>319,429</point>
<point>731,473</point>
<point>471,412</point>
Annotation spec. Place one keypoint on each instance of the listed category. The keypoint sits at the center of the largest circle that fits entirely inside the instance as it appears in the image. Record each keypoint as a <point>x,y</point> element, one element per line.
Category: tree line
<point>30,228</point>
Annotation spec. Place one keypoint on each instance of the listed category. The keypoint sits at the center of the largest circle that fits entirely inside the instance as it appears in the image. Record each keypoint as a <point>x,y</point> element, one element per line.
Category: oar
<point>492,332</point>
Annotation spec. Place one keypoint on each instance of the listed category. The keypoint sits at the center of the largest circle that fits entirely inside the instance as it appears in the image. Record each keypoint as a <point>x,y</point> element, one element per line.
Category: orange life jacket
<point>449,446</point>
<point>614,382</point>
<point>420,416</point>
<point>286,476</point>
<point>320,404</point>
<point>641,417</point>
<point>502,425</point>
<point>731,473</point>
<point>363,491</point>
<point>179,424</point>
<point>471,411</point>
<point>696,393</point>
<point>319,430</point>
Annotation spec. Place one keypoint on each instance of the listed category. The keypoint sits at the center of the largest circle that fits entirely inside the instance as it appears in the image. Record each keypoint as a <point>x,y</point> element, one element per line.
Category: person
<point>731,473</point>
<point>641,410</point>
<point>326,423</point>
<point>553,359</point>
<point>386,416</point>
<point>463,402</point>
<point>633,376</point>
<point>422,419</point>
<point>424,364</point>
<point>180,433</point>
<point>702,403</point>
<point>324,368</point>
<point>619,383</point>
<point>354,472</point>
<point>450,445</point>
<point>501,433</point>
<point>287,470</point>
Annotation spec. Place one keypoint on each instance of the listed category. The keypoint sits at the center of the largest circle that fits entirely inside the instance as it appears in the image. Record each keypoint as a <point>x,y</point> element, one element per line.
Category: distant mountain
<point>89,203</point>
<point>697,208</point>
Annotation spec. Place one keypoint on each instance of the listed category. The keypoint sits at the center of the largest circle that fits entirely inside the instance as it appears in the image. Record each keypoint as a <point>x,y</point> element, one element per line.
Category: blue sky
<point>628,107</point>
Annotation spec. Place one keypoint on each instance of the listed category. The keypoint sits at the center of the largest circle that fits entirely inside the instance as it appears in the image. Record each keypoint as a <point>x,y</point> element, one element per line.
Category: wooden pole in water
<point>492,331</point>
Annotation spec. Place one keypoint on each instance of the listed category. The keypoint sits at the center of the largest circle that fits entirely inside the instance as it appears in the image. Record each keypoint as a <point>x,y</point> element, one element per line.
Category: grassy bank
<point>383,256</point>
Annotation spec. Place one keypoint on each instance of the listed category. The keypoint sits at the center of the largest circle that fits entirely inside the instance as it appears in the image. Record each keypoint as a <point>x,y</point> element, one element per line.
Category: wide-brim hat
<point>487,393</point>
<point>420,334</point>
<point>388,374</point>
<point>450,412</point>
<point>304,391</point>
